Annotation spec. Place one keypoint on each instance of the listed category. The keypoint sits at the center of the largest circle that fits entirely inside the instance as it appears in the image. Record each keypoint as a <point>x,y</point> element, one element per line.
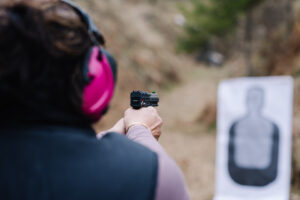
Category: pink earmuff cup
<point>98,93</point>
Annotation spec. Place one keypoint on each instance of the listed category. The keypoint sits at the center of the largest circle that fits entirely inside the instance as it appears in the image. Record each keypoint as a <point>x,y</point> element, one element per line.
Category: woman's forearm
<point>171,184</point>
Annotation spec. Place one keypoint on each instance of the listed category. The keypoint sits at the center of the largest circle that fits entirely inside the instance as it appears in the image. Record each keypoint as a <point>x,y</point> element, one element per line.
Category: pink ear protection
<point>99,70</point>
<point>99,91</point>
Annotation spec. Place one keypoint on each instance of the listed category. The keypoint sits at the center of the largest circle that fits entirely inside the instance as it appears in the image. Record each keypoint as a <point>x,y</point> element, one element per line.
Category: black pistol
<point>139,99</point>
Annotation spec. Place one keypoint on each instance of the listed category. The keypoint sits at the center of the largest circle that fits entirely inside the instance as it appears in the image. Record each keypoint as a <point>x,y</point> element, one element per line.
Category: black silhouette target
<point>253,144</point>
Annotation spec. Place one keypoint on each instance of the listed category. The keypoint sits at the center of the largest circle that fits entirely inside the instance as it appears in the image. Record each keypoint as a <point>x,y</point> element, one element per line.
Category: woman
<point>55,80</point>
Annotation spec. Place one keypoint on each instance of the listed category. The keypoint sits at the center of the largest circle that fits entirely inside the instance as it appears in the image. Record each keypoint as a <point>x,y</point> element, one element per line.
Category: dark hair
<point>42,49</point>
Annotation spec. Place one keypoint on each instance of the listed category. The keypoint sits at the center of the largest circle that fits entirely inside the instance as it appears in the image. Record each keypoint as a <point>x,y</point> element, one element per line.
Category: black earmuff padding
<point>105,110</point>
<point>113,64</point>
<point>85,70</point>
<point>114,68</point>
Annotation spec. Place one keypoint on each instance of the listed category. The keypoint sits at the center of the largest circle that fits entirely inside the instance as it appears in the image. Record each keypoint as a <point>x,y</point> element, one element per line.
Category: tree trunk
<point>289,16</point>
<point>248,43</point>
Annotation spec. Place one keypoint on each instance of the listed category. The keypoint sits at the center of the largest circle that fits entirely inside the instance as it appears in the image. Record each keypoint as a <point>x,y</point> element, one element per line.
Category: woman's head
<point>42,49</point>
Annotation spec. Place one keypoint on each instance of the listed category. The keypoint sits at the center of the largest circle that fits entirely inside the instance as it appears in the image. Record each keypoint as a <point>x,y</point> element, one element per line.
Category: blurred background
<point>182,49</point>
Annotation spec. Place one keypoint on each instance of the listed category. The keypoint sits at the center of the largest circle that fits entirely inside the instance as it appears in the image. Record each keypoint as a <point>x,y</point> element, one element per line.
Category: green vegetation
<point>208,19</point>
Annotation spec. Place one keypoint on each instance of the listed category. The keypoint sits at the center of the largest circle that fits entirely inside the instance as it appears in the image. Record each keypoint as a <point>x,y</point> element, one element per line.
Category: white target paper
<point>254,139</point>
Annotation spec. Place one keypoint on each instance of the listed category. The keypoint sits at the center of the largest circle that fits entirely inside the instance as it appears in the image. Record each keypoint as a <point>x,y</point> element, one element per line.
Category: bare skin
<point>147,117</point>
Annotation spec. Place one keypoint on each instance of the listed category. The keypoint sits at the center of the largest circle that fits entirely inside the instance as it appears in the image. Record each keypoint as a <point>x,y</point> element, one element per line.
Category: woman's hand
<point>147,117</point>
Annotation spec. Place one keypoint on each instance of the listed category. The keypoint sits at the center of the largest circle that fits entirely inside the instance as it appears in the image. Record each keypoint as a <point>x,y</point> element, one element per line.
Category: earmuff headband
<point>95,36</point>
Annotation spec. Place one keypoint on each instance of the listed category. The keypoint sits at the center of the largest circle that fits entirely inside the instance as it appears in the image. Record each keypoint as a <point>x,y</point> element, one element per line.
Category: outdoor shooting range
<point>149,100</point>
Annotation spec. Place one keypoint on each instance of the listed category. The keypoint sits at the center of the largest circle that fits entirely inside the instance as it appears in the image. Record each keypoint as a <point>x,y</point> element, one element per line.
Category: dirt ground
<point>185,138</point>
